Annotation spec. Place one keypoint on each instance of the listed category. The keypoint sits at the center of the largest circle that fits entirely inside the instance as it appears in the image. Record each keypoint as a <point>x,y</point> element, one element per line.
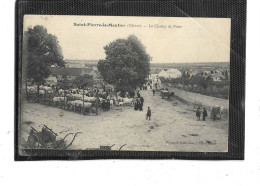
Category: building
<point>71,73</point>
<point>170,73</point>
<point>217,77</point>
<point>51,80</point>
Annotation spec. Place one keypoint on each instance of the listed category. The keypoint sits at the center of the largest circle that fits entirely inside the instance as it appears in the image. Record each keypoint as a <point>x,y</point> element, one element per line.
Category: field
<point>173,127</point>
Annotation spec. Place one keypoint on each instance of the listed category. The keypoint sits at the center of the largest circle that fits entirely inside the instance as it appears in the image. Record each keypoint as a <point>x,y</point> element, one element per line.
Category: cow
<point>89,99</point>
<point>61,92</point>
<point>77,96</point>
<point>32,89</point>
<point>128,101</point>
<point>59,100</point>
<point>41,92</point>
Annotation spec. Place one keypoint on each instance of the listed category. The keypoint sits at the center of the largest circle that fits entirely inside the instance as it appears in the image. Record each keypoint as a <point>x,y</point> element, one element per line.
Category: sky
<point>167,39</point>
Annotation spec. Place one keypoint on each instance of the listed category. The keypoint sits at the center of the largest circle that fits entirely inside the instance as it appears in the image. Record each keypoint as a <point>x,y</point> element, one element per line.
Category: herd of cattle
<point>79,100</point>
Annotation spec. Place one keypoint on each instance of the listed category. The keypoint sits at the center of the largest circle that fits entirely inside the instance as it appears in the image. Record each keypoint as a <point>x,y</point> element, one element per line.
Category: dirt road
<point>173,127</point>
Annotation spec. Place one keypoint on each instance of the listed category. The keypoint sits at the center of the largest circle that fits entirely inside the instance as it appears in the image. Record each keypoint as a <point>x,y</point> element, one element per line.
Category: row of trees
<point>126,66</point>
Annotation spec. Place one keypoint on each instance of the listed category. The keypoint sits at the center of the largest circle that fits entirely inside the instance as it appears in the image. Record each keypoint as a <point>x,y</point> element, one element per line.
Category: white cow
<point>59,99</point>
<point>61,91</point>
<point>41,92</point>
<point>32,89</point>
<point>89,99</point>
<point>77,96</point>
<point>79,103</point>
<point>50,91</point>
<point>74,91</point>
<point>120,103</point>
<point>128,101</point>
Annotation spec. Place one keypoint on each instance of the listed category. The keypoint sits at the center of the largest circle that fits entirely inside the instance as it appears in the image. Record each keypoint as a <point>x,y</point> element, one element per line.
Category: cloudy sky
<point>166,39</point>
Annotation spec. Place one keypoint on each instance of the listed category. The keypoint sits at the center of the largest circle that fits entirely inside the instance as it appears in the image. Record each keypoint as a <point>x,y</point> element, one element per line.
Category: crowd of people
<point>138,105</point>
<point>139,102</point>
<point>204,114</point>
<point>105,105</point>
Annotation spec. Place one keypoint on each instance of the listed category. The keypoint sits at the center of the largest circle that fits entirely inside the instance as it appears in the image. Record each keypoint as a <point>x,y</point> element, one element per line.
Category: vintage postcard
<point>125,83</point>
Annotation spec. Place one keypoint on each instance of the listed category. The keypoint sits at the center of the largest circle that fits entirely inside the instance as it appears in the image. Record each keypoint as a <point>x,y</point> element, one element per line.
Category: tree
<point>42,51</point>
<point>83,81</point>
<point>64,84</point>
<point>126,65</point>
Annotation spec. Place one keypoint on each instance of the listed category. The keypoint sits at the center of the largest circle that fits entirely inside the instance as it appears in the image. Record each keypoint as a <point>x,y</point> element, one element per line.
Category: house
<point>205,73</point>
<point>170,73</point>
<point>216,77</point>
<point>153,76</point>
<point>51,80</point>
<point>71,73</point>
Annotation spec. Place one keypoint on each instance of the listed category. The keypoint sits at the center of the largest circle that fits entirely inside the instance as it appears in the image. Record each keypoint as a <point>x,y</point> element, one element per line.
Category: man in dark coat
<point>103,105</point>
<point>107,105</point>
<point>198,113</point>
<point>204,114</point>
<point>141,103</point>
<point>153,92</point>
<point>136,106</point>
<point>149,114</point>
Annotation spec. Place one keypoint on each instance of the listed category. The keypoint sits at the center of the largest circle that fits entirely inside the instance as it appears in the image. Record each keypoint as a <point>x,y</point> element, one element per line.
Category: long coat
<point>149,112</point>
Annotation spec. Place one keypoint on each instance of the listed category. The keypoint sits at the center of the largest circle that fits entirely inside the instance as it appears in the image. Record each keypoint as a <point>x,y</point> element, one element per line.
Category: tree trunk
<point>44,96</point>
<point>83,101</point>
<point>26,89</point>
<point>64,99</point>
<point>38,93</point>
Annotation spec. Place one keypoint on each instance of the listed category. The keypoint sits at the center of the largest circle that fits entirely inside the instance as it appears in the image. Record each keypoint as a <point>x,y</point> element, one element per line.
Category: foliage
<point>83,81</point>
<point>126,64</point>
<point>199,84</point>
<point>42,50</point>
<point>64,84</point>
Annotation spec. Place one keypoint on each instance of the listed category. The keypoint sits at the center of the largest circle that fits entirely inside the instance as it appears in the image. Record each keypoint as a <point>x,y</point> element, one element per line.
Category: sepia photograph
<point>124,83</point>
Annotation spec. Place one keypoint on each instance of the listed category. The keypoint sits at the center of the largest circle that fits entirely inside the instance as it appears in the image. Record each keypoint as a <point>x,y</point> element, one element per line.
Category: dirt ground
<point>173,127</point>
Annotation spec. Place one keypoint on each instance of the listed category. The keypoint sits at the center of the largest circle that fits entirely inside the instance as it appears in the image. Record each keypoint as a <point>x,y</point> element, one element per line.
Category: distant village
<point>74,68</point>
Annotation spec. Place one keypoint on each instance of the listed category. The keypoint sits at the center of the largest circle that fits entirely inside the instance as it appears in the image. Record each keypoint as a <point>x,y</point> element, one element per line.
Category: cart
<point>47,139</point>
<point>216,112</point>
<point>166,94</point>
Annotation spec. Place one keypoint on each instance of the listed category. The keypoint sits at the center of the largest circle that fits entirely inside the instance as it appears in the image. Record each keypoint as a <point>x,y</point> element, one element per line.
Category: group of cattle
<point>42,90</point>
<point>80,100</point>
